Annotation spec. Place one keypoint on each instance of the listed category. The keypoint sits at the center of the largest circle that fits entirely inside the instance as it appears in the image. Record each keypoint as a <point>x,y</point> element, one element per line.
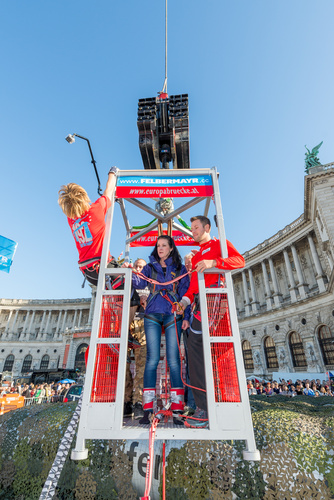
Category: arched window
<point>45,362</point>
<point>26,365</point>
<point>8,366</point>
<point>270,353</point>
<point>297,350</point>
<point>326,341</point>
<point>79,363</point>
<point>247,354</point>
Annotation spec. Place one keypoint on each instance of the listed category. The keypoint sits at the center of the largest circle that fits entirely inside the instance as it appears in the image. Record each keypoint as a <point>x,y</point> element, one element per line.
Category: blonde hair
<point>73,200</point>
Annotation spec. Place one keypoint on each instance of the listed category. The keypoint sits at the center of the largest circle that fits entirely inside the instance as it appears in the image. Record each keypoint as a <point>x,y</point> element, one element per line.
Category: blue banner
<point>7,251</point>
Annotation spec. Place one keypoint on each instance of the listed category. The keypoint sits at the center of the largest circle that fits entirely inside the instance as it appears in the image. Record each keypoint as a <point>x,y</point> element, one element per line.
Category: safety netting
<point>225,376</point>
<point>111,316</point>
<point>218,315</point>
<point>105,374</point>
<point>107,355</point>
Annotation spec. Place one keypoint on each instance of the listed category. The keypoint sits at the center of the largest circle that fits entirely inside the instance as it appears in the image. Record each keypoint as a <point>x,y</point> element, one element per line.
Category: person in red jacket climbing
<point>209,256</point>
<point>87,223</point>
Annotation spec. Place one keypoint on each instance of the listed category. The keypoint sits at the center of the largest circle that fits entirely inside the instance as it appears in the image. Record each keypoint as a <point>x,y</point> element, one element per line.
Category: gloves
<point>113,170</point>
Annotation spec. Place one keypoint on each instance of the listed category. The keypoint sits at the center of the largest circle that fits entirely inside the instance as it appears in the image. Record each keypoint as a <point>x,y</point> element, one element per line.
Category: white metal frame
<point>227,421</point>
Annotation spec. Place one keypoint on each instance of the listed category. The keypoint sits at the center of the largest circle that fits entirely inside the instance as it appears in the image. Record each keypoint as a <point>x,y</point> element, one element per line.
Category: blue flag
<point>7,251</point>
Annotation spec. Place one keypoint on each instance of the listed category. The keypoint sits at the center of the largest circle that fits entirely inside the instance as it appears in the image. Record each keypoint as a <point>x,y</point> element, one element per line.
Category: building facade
<point>284,299</point>
<point>44,335</point>
<point>284,295</point>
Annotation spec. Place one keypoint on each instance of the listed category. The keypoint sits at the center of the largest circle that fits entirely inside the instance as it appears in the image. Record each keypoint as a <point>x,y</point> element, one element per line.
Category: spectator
<point>268,389</point>
<point>285,390</point>
<point>276,389</point>
<point>292,391</point>
<point>252,391</point>
<point>299,389</point>
<point>308,391</point>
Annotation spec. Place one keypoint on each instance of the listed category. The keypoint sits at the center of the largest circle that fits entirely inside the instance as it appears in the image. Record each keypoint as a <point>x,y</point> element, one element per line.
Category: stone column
<point>8,321</point>
<point>245,287</point>
<point>74,319</point>
<point>64,321</point>
<point>91,309</point>
<point>58,323</point>
<point>48,322</point>
<point>15,319</point>
<point>42,322</point>
<point>32,321</point>
<point>266,286</point>
<point>80,318</point>
<point>26,323</point>
<point>277,295</point>
<point>302,287</point>
<point>292,284</point>
<point>255,303</point>
<point>319,276</point>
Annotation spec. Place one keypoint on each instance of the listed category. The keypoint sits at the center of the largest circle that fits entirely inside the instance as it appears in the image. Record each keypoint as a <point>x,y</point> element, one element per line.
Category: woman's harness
<point>154,292</point>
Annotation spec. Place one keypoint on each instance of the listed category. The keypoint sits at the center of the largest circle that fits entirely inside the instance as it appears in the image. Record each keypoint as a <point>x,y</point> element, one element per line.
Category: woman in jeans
<point>165,265</point>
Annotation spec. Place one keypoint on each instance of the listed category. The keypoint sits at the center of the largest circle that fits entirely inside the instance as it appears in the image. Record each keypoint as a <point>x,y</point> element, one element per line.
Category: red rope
<point>155,282</point>
<point>164,471</point>
<point>149,466</point>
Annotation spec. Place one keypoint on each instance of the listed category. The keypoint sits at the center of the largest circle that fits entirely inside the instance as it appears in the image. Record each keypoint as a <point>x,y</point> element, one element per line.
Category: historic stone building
<point>284,299</point>
<point>43,335</point>
<point>284,295</point>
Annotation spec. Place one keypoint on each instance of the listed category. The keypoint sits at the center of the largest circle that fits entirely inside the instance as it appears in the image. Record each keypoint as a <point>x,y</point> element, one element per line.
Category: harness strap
<point>88,263</point>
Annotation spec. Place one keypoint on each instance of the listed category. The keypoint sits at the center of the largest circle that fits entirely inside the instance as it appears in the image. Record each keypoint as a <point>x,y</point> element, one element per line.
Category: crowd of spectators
<point>38,393</point>
<point>314,388</point>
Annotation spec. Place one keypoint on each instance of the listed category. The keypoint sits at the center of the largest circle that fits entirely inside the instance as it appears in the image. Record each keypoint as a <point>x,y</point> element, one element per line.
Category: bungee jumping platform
<point>229,414</point>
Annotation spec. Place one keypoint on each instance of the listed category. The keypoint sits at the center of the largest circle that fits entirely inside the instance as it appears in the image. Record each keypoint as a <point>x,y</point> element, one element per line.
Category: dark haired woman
<point>165,265</point>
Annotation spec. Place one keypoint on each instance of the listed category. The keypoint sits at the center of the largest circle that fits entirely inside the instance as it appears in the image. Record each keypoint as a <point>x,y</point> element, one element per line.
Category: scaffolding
<point>229,412</point>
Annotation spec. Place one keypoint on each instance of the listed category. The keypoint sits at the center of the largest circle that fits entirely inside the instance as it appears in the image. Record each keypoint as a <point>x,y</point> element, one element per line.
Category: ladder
<point>229,412</point>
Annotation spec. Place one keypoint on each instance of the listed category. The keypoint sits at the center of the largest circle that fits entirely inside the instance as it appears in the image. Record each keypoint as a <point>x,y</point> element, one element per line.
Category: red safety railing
<point>111,317</point>
<point>225,376</point>
<point>105,373</point>
<point>218,315</point>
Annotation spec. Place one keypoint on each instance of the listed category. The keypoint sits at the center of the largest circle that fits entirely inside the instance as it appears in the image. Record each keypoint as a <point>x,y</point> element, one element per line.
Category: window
<point>247,354</point>
<point>270,353</point>
<point>297,350</point>
<point>8,366</point>
<point>79,363</point>
<point>45,362</point>
<point>26,366</point>
<point>326,341</point>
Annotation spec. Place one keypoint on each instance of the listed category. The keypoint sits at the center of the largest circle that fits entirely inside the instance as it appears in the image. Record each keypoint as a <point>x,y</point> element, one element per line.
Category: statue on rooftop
<point>311,159</point>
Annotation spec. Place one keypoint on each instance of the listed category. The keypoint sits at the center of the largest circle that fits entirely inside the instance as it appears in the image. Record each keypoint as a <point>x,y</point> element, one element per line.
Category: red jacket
<point>211,251</point>
<point>88,230</point>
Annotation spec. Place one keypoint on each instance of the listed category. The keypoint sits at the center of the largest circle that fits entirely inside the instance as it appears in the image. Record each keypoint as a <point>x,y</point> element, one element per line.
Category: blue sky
<point>259,76</point>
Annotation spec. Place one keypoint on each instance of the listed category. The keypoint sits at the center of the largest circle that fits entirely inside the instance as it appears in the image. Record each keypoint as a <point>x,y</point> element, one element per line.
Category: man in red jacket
<point>209,256</point>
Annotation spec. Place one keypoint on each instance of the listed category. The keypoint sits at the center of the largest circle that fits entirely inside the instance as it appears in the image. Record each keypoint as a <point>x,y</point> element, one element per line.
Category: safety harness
<point>164,292</point>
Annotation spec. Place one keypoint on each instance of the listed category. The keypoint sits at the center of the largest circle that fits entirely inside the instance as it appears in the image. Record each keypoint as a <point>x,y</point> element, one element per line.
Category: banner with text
<point>164,187</point>
<point>150,239</point>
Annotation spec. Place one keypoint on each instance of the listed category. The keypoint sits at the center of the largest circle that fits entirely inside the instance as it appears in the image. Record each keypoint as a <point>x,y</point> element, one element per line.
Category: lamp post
<point>71,139</point>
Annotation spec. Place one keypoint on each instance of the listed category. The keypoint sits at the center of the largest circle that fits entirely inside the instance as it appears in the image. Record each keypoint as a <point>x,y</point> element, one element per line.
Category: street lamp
<point>71,139</point>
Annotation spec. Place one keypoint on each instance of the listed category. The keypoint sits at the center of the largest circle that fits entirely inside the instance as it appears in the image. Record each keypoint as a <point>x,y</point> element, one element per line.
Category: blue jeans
<point>153,324</point>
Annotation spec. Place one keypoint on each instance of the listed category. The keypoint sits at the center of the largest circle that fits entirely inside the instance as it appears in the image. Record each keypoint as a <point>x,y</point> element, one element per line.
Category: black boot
<point>146,420</point>
<point>177,420</point>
